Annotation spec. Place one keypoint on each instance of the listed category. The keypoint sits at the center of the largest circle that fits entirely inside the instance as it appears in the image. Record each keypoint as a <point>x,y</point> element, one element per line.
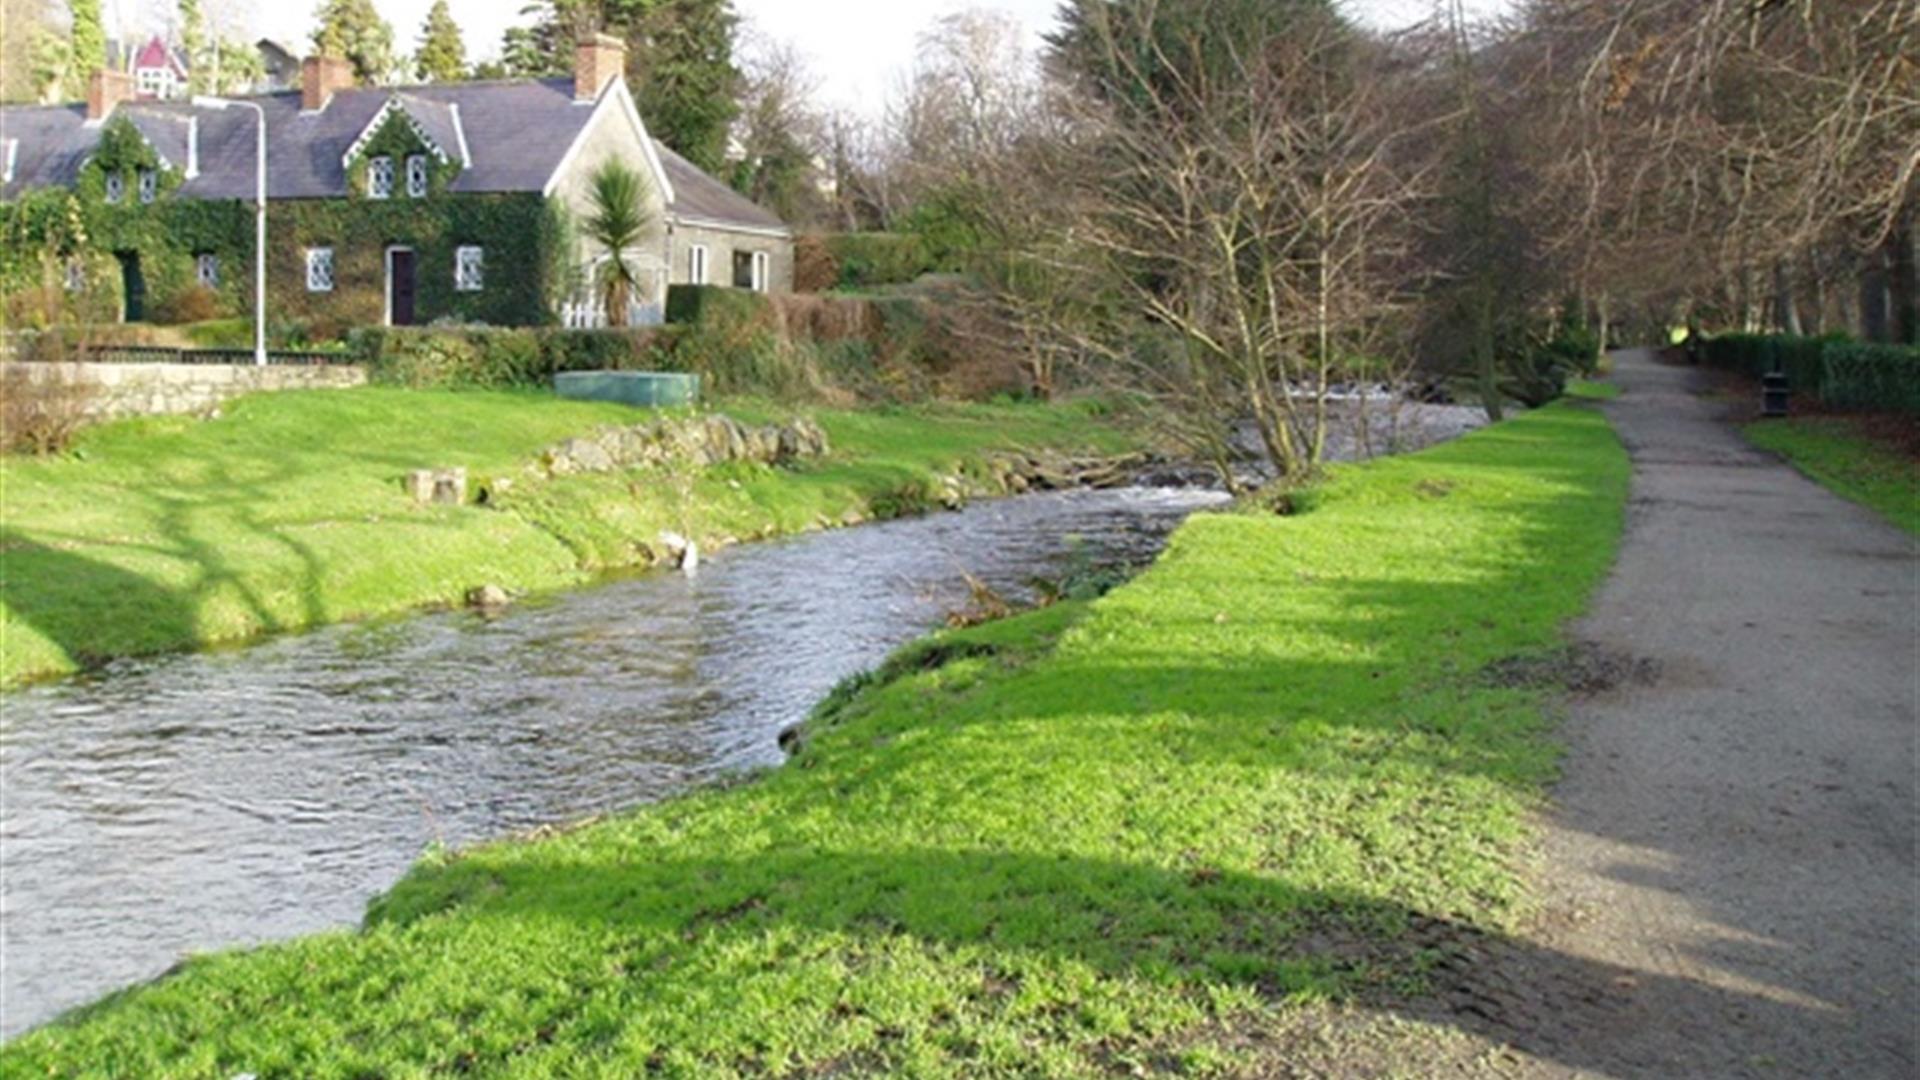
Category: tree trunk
<point>1903,282</point>
<point>1786,315</point>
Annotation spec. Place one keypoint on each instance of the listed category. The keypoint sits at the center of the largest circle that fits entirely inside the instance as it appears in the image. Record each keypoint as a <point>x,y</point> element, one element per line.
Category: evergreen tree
<point>353,30</point>
<point>1132,47</point>
<point>89,41</point>
<point>238,67</point>
<point>679,62</point>
<point>442,56</point>
<point>201,58</point>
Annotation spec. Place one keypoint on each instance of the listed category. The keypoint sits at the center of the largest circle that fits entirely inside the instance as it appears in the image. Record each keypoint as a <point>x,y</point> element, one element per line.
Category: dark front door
<point>400,284</point>
<point>133,286</point>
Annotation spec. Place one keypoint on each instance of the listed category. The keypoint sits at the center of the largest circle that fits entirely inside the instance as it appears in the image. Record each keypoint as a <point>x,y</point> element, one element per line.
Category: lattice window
<point>320,269</point>
<point>380,178</point>
<point>416,176</point>
<point>206,269</point>
<point>116,187</point>
<point>469,269</point>
<point>149,185</point>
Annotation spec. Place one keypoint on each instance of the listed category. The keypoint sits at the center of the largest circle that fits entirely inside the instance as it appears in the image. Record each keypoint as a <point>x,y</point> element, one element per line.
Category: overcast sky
<point>859,47</point>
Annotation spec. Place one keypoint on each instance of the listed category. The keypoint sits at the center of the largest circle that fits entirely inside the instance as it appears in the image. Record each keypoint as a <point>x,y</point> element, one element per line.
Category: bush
<point>1857,376</point>
<point>488,358</point>
<point>867,260</point>
<point>42,408</point>
<point>193,304</point>
<point>221,334</point>
<point>815,267</point>
<point>712,305</point>
<point>1838,372</point>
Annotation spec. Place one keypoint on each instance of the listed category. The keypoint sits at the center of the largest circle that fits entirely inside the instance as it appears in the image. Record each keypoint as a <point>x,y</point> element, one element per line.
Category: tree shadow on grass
<point>38,584</point>
<point>1016,936</point>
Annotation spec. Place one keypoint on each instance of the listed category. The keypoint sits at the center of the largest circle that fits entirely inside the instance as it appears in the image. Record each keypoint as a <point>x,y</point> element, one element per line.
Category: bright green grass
<point>288,511</point>
<point>1103,842</point>
<point>1592,389</point>
<point>1834,453</point>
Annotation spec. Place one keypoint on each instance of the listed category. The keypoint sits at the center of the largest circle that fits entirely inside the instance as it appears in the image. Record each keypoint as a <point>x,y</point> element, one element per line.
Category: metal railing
<point>163,354</point>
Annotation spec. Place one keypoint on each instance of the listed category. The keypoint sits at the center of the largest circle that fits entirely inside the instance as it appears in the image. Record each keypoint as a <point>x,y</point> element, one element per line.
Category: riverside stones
<point>487,597</point>
<point>442,486</point>
<point>700,441</point>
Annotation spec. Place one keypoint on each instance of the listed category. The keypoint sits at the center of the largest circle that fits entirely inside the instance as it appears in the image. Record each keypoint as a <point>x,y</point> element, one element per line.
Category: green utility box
<point>649,388</point>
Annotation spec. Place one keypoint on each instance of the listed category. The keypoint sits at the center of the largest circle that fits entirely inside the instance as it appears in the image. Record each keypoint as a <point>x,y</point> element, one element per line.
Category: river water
<point>198,802</point>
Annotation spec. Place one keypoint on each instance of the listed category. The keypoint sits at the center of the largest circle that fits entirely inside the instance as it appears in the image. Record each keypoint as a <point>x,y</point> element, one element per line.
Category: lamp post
<point>259,219</point>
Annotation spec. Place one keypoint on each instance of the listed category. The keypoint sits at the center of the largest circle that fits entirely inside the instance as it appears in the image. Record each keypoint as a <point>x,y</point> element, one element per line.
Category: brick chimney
<point>321,77</point>
<point>106,89</point>
<point>598,59</point>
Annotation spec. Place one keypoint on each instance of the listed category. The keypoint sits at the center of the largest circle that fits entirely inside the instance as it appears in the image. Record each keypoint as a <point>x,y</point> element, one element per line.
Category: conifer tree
<point>442,56</point>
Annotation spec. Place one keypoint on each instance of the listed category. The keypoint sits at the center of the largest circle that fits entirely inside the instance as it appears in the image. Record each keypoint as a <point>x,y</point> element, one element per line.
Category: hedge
<point>1838,372</point>
<point>486,358</point>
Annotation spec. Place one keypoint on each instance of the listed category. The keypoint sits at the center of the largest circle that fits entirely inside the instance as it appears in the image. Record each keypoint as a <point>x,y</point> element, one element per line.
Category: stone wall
<point>120,390</point>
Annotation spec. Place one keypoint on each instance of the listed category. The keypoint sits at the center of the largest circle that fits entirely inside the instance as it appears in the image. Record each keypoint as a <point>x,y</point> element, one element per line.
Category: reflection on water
<point>198,802</point>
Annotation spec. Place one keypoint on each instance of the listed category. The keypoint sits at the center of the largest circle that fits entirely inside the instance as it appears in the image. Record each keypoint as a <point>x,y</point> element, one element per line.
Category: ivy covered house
<point>386,206</point>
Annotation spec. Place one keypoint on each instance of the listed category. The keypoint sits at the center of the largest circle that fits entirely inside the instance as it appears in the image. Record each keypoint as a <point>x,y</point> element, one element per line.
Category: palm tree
<point>617,223</point>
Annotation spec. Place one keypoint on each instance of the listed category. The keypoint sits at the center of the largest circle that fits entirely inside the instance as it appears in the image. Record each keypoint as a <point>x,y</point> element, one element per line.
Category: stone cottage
<point>386,206</point>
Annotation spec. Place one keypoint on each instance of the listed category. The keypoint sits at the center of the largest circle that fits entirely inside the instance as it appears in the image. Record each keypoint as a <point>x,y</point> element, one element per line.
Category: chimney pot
<point>598,59</point>
<point>106,90</point>
<point>321,77</point>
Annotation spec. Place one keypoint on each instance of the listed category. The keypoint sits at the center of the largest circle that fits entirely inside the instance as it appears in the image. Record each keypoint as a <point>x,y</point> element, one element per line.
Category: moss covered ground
<point>1122,837</point>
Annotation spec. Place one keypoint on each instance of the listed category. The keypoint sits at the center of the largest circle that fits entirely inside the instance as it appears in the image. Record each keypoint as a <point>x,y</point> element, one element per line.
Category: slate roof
<point>699,197</point>
<point>516,132</point>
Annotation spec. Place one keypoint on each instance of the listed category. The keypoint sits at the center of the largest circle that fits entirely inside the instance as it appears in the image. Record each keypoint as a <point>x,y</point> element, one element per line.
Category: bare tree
<point>1232,229</point>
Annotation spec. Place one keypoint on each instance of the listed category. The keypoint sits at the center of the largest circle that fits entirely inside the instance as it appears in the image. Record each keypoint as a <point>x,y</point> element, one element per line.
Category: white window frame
<point>206,270</point>
<point>155,81</point>
<point>416,176</point>
<point>699,265</point>
<point>148,181</point>
<point>319,269</point>
<point>762,271</point>
<point>116,186</point>
<point>380,177</point>
<point>469,268</point>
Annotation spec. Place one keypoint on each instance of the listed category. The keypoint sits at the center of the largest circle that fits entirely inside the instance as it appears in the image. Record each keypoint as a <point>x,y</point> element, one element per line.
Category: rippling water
<point>205,801</point>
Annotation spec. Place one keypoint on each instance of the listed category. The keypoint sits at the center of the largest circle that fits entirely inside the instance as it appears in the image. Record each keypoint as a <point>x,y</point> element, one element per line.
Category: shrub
<point>712,305</point>
<point>1858,376</point>
<point>193,304</point>
<point>497,358</point>
<point>43,407</point>
<point>221,333</point>
<point>815,267</point>
<point>867,260</point>
<point>1838,372</point>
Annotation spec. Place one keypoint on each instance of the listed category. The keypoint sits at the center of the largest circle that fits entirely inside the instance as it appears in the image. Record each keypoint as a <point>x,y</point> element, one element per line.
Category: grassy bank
<point>1101,839</point>
<point>1849,461</point>
<point>288,511</point>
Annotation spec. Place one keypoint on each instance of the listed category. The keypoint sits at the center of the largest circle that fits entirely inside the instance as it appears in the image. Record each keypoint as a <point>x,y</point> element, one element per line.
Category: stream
<point>198,802</point>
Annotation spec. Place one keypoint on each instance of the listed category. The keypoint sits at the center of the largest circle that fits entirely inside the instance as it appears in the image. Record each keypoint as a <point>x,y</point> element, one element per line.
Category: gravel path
<point>1728,869</point>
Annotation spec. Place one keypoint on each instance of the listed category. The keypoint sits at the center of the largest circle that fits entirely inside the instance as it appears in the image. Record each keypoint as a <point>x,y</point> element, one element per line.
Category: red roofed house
<point>158,71</point>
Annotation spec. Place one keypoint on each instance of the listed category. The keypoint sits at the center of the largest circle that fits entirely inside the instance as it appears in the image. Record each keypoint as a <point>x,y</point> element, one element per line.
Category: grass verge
<point>288,512</point>
<point>1111,837</point>
<point>1849,462</point>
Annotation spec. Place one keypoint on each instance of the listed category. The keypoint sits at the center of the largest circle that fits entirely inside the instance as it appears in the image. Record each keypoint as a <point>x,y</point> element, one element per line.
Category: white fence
<point>592,314</point>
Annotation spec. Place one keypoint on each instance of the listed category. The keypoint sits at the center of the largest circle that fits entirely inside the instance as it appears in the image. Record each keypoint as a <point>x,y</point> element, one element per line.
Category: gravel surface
<point>1728,870</point>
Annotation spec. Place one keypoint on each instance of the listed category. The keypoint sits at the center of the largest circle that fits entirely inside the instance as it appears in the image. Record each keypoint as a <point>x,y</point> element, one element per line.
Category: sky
<point>859,48</point>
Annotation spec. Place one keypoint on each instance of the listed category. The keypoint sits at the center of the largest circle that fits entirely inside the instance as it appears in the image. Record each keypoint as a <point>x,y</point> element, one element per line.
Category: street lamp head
<point>205,101</point>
